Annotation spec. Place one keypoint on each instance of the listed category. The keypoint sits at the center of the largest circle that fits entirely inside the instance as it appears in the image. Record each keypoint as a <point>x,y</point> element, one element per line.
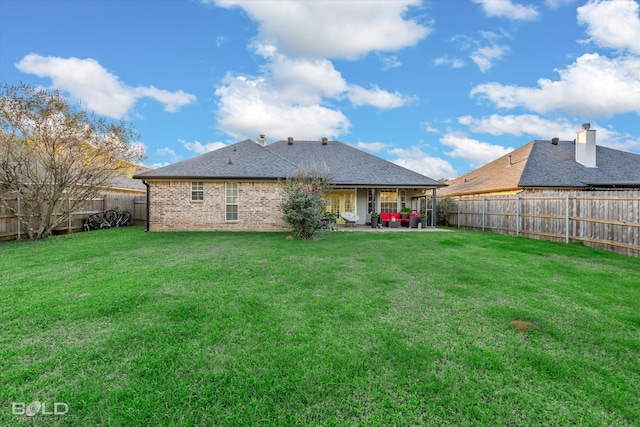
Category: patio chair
<point>350,218</point>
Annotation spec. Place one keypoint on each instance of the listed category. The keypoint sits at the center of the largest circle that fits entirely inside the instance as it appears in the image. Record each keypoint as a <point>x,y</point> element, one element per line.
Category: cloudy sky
<point>441,87</point>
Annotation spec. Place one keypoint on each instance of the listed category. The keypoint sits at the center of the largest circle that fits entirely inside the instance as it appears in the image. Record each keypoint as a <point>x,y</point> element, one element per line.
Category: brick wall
<point>172,209</point>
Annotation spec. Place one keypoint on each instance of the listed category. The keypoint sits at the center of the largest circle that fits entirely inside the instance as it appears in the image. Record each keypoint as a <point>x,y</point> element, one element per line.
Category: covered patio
<point>368,203</point>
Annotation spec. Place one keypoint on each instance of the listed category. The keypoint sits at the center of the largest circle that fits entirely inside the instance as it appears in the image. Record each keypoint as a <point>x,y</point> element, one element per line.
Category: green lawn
<point>131,328</point>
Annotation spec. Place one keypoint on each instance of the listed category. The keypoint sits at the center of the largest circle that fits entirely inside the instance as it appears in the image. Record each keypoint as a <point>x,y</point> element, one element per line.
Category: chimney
<point>290,140</point>
<point>586,146</point>
<point>324,141</point>
<point>262,140</point>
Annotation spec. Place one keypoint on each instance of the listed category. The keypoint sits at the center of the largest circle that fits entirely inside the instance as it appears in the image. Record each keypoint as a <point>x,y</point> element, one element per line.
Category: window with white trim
<point>197,191</point>
<point>388,201</point>
<point>231,201</point>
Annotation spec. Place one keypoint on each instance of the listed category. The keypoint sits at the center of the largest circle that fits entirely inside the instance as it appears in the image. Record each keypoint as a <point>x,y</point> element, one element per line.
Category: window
<point>231,201</point>
<point>197,191</point>
<point>388,201</point>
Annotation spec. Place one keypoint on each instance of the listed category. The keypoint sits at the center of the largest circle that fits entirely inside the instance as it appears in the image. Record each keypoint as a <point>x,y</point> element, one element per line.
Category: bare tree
<point>55,156</point>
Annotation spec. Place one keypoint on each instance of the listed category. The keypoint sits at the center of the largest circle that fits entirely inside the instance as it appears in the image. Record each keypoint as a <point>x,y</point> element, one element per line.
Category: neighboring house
<point>126,184</point>
<point>551,166</point>
<point>238,187</point>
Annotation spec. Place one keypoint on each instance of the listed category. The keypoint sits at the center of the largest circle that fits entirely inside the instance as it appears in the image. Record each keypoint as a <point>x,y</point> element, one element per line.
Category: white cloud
<point>101,91</point>
<point>507,9</point>
<point>296,39</point>
<point>453,62</point>
<point>593,85</point>
<point>483,57</point>
<point>139,147</point>
<point>614,139</point>
<point>485,48</point>
<point>333,29</point>
<point>373,146</point>
<point>525,124</point>
<point>199,148</point>
<point>416,160</point>
<point>305,81</point>
<point>389,61</point>
<point>540,128</point>
<point>476,153</point>
<point>250,106</point>
<point>172,101</point>
<point>158,165</point>
<point>555,4</point>
<point>377,97</point>
<point>613,24</point>
<point>428,127</point>
<point>167,152</point>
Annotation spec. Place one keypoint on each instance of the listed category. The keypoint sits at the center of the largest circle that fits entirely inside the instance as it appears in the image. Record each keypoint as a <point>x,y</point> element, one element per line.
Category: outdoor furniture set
<point>396,219</point>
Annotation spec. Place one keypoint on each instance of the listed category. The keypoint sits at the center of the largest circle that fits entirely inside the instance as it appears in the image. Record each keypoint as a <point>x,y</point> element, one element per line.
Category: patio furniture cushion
<point>386,218</point>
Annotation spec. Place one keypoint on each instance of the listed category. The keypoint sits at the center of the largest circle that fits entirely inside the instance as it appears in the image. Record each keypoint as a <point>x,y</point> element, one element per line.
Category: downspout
<point>148,204</point>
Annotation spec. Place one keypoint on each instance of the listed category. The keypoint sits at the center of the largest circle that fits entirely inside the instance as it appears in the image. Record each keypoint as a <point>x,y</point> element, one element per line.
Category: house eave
<point>262,178</point>
<point>483,191</point>
<point>206,178</point>
<point>613,184</point>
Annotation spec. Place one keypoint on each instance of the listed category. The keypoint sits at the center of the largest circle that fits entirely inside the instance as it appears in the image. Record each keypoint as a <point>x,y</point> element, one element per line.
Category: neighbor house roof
<point>250,160</point>
<point>541,164</point>
<point>126,182</point>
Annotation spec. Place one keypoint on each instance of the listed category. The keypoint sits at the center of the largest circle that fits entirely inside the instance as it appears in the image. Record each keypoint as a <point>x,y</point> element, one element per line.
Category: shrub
<point>303,204</point>
<point>443,207</point>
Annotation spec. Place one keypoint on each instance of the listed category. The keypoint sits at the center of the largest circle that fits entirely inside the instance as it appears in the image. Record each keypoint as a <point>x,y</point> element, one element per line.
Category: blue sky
<point>441,87</point>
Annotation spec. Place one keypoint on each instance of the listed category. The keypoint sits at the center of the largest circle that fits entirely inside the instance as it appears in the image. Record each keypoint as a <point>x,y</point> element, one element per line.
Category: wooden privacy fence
<point>608,220</point>
<point>137,205</point>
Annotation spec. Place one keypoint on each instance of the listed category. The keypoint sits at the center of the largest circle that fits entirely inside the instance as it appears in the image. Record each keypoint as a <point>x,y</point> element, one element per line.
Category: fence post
<point>18,216</point>
<point>69,219</point>
<point>483,203</point>
<point>567,218</point>
<point>459,200</point>
<point>518,214</point>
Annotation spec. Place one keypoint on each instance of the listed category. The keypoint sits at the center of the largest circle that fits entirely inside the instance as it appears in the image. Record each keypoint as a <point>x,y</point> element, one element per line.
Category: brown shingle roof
<point>496,176</point>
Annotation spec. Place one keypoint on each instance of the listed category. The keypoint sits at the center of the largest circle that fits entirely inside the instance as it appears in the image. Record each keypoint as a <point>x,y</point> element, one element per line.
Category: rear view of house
<point>237,187</point>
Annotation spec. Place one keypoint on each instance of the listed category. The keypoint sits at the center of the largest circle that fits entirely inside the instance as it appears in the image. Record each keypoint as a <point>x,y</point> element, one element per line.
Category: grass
<point>134,328</point>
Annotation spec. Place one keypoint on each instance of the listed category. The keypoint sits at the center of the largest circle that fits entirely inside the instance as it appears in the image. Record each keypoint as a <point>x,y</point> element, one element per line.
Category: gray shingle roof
<point>555,166</point>
<point>249,160</point>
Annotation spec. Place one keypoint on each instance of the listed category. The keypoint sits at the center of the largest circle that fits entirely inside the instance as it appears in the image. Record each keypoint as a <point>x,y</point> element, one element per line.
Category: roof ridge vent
<point>555,141</point>
<point>290,140</point>
<point>324,141</point>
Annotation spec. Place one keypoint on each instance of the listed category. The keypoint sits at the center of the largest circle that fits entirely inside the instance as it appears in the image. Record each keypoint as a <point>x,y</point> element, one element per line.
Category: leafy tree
<point>444,206</point>
<point>303,203</point>
<point>56,156</point>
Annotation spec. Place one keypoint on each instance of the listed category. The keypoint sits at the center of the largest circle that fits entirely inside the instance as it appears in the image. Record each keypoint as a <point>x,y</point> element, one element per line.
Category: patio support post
<point>373,200</point>
<point>433,207</point>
